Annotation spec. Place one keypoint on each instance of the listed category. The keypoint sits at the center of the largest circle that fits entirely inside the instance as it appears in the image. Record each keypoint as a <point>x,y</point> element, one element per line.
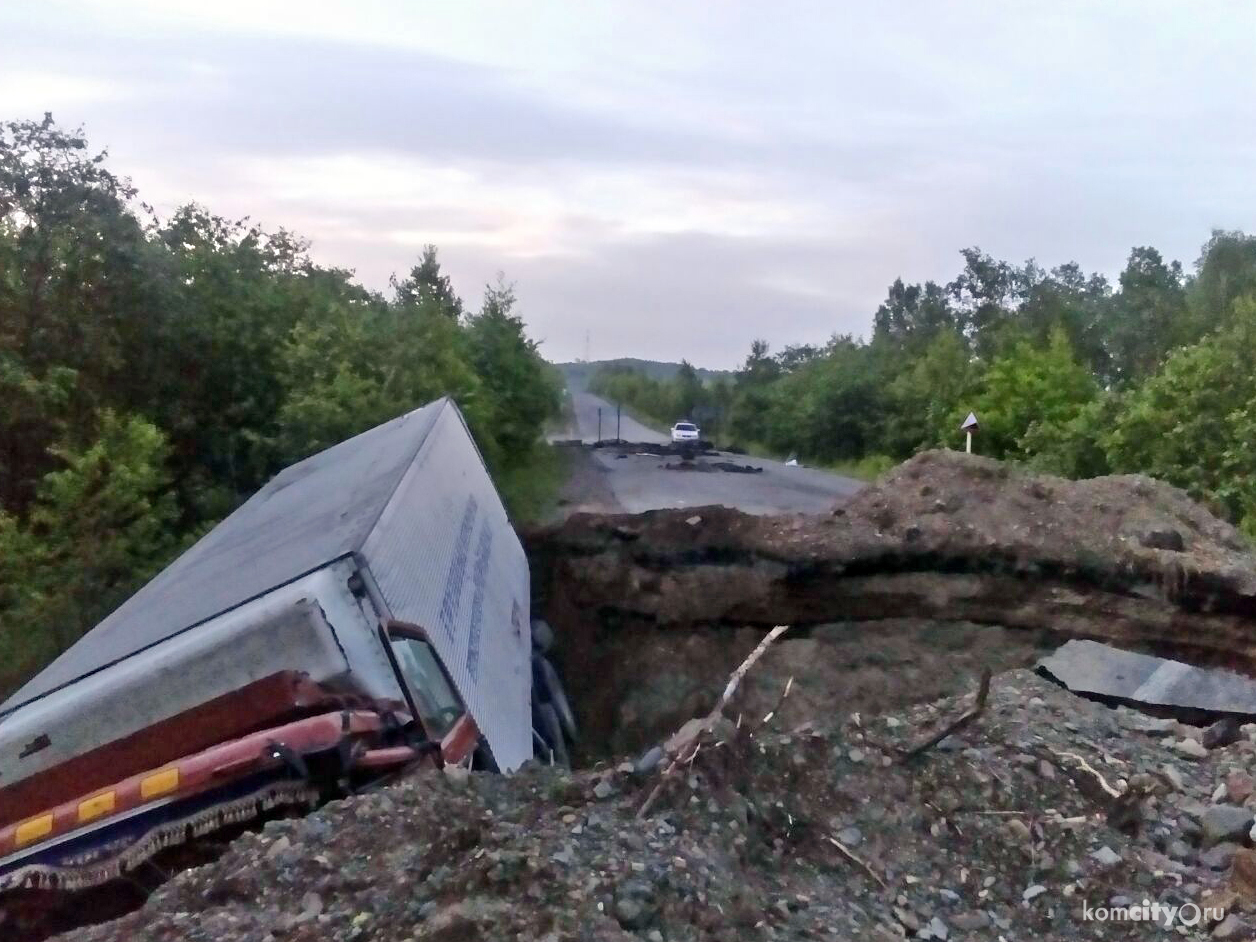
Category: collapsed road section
<point>944,539</point>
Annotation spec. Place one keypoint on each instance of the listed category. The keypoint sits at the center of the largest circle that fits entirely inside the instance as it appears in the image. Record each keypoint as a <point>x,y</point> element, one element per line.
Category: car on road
<point>685,432</point>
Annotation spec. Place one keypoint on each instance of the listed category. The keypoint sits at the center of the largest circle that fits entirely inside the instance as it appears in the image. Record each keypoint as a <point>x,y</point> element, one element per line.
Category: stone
<point>1225,823</point>
<point>856,755</point>
<point>1238,786</point>
<point>278,847</point>
<point>1033,892</point>
<point>1192,748</point>
<point>603,790</point>
<point>1106,856</point>
<point>1175,777</point>
<point>1179,850</point>
<point>1018,829</point>
<point>1046,769</point>
<point>1224,732</point>
<point>973,921</point>
<point>1219,857</point>
<point>1228,927</point>
<point>631,913</point>
<point>907,918</point>
<point>634,904</point>
<point>851,836</point>
<point>938,928</point>
<point>947,800</point>
<point>1243,875</point>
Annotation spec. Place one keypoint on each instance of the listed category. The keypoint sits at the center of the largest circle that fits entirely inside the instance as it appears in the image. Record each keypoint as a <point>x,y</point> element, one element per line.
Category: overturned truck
<point>367,610</point>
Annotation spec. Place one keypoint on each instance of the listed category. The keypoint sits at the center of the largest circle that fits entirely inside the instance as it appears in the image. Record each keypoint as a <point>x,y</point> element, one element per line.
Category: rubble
<point>946,539</point>
<point>964,843</point>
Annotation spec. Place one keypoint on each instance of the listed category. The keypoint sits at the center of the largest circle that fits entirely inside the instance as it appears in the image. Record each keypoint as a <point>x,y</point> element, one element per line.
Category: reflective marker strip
<point>96,806</point>
<point>32,830</point>
<point>159,783</point>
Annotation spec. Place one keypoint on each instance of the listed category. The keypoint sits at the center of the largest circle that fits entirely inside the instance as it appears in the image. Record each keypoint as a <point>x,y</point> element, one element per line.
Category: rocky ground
<point>821,830</point>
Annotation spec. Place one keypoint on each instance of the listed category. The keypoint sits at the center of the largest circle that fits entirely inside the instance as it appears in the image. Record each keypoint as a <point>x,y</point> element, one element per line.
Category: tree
<point>923,397</point>
<point>519,393</point>
<point>912,314</point>
<point>1148,315</point>
<point>99,526</point>
<point>1191,424</point>
<point>983,292</point>
<point>688,393</point>
<point>1028,386</point>
<point>79,293</point>
<point>1226,271</point>
<point>428,287</point>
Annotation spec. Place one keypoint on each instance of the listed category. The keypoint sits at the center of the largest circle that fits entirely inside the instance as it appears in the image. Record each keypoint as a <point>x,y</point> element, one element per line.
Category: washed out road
<point>640,482</point>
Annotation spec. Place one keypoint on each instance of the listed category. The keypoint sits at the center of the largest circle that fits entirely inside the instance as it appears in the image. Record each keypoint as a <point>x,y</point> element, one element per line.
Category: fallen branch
<point>1087,767</point>
<point>851,856</point>
<point>767,718</point>
<point>978,707</point>
<point>686,750</point>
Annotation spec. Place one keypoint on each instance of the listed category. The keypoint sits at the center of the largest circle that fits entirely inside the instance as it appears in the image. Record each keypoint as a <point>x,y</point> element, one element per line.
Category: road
<point>586,406</point>
<point>641,482</point>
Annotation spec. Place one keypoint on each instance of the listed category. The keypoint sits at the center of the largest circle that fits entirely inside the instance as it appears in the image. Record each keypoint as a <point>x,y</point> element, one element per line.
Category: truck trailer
<point>367,610</point>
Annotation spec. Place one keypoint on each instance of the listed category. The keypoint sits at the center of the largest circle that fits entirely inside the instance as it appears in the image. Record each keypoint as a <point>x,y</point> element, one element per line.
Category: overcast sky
<point>671,179</point>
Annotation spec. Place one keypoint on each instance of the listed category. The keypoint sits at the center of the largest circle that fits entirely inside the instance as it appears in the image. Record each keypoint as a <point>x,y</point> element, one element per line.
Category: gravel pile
<point>1008,829</point>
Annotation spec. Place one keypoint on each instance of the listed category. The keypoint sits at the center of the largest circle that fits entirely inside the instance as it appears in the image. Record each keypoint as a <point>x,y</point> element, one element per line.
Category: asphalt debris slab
<point>812,832</point>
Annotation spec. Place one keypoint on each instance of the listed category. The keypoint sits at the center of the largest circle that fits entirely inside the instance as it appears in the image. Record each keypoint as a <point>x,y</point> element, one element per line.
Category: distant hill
<point>577,374</point>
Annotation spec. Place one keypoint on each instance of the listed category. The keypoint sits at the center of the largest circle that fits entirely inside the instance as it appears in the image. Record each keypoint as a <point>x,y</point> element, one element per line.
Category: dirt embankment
<point>646,604</point>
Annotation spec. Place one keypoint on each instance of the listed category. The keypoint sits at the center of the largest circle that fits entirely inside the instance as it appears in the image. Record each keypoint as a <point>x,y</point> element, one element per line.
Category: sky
<point>668,179</point>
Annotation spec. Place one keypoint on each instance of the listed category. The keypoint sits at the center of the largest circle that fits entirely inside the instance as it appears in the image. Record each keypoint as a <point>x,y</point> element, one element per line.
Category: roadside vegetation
<point>1066,371</point>
<point>155,372</point>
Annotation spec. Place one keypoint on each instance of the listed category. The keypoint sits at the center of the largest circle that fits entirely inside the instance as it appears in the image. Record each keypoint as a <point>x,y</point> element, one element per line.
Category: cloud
<point>677,179</point>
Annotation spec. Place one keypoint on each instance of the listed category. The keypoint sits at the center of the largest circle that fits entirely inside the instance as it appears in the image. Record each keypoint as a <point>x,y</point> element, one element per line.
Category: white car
<point>685,432</point>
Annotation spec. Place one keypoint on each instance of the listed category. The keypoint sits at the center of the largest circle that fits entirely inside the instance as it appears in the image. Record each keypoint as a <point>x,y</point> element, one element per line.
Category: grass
<point>530,487</point>
<point>867,468</point>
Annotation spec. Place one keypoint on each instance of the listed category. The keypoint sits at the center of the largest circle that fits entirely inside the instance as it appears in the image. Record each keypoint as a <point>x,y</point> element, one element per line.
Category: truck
<point>365,612</point>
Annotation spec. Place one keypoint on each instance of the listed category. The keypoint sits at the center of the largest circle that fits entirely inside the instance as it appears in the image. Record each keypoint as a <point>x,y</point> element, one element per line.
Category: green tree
<point>1191,424</point>
<point>518,392</point>
<point>1025,387</point>
<point>99,526</point>
<point>428,287</point>
<point>1148,315</point>
<point>923,397</point>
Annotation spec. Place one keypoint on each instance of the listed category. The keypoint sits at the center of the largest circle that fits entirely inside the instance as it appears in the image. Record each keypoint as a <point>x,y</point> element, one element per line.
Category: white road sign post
<point>969,426</point>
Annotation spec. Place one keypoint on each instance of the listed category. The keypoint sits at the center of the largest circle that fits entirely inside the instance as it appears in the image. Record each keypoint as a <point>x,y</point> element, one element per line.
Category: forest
<point>155,372</point>
<point>1066,372</point>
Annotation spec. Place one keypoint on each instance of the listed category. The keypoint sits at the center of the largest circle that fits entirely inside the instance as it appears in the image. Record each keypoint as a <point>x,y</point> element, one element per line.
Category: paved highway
<point>640,482</point>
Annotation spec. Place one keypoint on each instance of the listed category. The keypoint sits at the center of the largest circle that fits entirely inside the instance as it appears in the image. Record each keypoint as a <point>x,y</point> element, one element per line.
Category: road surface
<point>641,482</point>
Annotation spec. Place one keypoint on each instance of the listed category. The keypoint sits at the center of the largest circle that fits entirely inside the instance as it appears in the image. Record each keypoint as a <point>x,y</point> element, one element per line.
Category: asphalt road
<point>640,482</point>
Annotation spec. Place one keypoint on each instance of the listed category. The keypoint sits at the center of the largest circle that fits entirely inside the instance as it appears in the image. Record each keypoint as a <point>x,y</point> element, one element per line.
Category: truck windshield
<point>437,703</point>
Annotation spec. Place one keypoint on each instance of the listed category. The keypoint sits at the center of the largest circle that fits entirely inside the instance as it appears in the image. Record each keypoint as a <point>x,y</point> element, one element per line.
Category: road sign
<point>969,426</point>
